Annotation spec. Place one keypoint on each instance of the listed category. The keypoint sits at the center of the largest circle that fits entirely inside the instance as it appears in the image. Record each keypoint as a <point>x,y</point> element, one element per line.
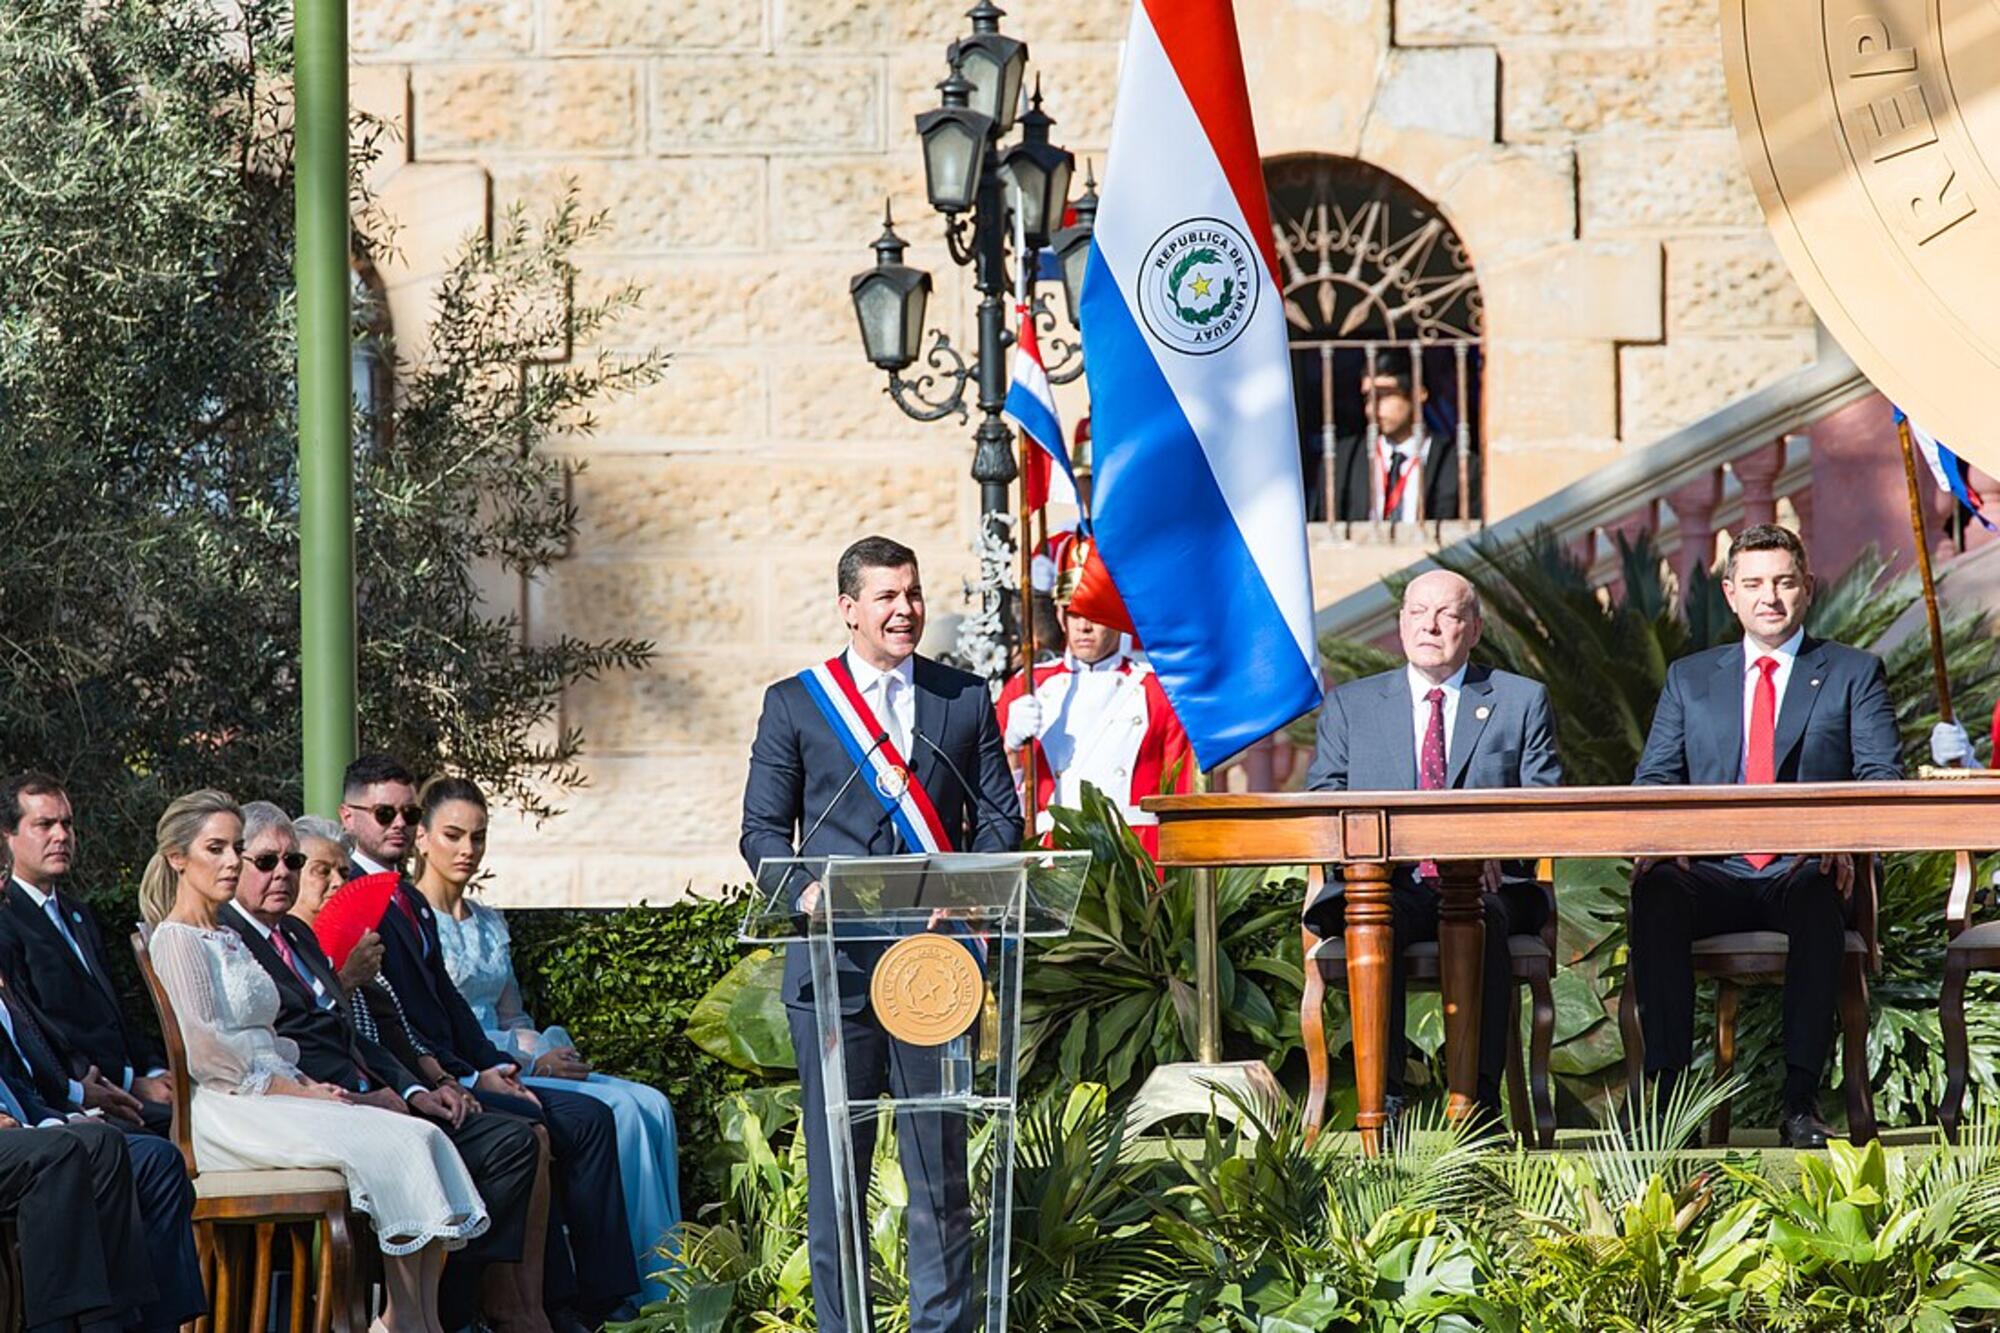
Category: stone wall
<point>743,149</point>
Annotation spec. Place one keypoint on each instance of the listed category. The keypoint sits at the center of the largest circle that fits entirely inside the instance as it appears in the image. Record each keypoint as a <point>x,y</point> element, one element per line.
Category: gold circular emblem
<point>1872,133</point>
<point>927,989</point>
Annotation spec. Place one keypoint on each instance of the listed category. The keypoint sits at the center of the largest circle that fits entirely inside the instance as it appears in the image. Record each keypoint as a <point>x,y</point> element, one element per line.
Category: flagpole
<point>1207,944</point>
<point>1031,786</point>
<point>1941,675</point>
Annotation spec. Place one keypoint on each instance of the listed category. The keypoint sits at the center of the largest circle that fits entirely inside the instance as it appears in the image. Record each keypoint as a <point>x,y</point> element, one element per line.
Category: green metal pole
<point>326,460</point>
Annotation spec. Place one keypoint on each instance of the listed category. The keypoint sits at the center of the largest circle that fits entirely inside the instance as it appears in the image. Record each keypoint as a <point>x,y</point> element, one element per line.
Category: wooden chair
<point>1757,958</point>
<point>1534,966</point>
<point>241,1216</point>
<point>1972,948</point>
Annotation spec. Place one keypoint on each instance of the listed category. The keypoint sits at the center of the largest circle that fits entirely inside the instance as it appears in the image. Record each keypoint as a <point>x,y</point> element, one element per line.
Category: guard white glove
<point>1951,747</point>
<point>1024,721</point>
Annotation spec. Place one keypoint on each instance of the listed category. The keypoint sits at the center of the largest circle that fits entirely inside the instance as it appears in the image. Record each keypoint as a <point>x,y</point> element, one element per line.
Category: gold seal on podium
<point>927,989</point>
<point>1871,129</point>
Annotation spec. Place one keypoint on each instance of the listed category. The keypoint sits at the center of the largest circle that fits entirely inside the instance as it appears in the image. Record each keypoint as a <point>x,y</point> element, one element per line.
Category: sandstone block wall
<point>743,150</point>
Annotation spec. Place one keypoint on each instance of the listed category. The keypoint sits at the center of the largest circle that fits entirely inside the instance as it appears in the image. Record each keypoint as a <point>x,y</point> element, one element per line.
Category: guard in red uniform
<point>1097,715</point>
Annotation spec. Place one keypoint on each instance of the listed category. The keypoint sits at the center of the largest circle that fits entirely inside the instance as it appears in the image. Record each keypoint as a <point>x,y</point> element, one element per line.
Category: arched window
<point>1374,276</point>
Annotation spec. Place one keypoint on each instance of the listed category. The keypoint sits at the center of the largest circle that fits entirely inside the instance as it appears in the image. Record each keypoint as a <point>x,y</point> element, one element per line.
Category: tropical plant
<point>1116,996</point>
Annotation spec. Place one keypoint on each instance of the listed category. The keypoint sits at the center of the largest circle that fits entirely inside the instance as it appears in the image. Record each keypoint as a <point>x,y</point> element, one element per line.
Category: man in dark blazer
<point>1440,722</point>
<point>1781,706</point>
<point>596,1273</point>
<point>501,1152</point>
<point>51,946</point>
<point>1400,472</point>
<point>937,728</point>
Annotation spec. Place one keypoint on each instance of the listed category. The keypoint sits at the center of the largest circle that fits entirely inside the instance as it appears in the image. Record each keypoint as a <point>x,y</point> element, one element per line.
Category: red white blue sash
<point>884,768</point>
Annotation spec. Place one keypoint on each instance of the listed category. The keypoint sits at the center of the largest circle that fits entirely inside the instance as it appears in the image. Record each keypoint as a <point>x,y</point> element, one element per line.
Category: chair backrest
<point>1866,870</point>
<point>170,1033</point>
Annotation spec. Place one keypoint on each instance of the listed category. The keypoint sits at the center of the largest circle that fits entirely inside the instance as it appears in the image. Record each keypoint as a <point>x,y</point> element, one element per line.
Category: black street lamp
<point>975,184</point>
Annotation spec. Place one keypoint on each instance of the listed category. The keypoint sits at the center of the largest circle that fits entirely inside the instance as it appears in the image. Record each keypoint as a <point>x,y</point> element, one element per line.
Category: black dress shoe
<point>1804,1129</point>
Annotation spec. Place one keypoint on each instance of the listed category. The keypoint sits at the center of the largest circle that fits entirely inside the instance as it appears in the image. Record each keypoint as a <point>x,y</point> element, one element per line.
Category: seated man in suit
<point>906,725</point>
<point>1781,706</point>
<point>595,1273</point>
<point>40,1092</point>
<point>502,1153</point>
<point>1440,722</point>
<point>50,945</point>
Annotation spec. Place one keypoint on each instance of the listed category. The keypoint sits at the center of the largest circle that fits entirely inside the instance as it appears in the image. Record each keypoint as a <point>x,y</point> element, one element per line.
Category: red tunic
<point>1111,727</point>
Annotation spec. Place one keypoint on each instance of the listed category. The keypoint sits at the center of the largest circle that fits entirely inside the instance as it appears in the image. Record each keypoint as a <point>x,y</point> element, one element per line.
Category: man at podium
<point>879,751</point>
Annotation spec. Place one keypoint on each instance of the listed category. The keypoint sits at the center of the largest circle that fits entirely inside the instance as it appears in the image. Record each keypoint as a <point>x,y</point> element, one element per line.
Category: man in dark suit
<point>1399,472</point>
<point>596,1273</point>
<point>939,733</point>
<point>51,946</point>
<point>1781,706</point>
<point>501,1152</point>
<point>1439,722</point>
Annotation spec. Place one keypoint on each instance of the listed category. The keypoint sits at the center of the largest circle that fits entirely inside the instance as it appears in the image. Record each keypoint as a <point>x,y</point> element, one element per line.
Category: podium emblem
<point>927,990</point>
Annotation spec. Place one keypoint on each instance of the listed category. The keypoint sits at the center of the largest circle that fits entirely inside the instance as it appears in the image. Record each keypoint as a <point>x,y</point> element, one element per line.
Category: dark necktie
<point>1760,753</point>
<point>1430,764</point>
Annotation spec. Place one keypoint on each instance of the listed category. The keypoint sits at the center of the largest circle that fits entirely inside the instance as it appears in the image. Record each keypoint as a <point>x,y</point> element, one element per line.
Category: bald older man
<point>1440,722</point>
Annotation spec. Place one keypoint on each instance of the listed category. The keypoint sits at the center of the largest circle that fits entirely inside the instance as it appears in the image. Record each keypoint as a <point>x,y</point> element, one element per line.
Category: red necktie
<point>1430,764</point>
<point>1760,759</point>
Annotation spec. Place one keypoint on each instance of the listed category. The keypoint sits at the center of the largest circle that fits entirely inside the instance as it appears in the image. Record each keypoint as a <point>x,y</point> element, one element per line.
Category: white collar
<point>1113,661</point>
<point>1420,684</point>
<point>369,863</point>
<point>261,928</point>
<point>1784,652</point>
<point>35,895</point>
<point>866,675</point>
<point>1413,443</point>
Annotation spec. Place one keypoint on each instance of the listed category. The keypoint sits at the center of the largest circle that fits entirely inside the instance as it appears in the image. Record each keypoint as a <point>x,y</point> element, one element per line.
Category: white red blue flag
<point>1947,468</point>
<point>1197,503</point>
<point>1046,473</point>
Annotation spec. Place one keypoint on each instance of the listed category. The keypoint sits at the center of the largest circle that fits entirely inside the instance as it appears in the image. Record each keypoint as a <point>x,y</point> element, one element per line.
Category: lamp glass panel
<point>983,72</point>
<point>1075,255</point>
<point>1032,180</point>
<point>951,165</point>
<point>914,301</point>
<point>880,309</point>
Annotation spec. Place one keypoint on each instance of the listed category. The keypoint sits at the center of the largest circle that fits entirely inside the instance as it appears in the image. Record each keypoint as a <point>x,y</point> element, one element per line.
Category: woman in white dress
<point>253,1109</point>
<point>451,843</point>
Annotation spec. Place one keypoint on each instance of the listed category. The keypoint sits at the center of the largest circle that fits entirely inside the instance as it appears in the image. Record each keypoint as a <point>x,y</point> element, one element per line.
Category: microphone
<point>881,739</point>
<point>978,796</point>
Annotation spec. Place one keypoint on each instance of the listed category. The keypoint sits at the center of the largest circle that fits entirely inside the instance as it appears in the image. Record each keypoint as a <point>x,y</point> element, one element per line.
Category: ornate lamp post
<point>975,184</point>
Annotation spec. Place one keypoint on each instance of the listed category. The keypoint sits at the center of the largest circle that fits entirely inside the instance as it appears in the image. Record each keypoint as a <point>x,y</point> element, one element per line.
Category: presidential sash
<point>884,769</point>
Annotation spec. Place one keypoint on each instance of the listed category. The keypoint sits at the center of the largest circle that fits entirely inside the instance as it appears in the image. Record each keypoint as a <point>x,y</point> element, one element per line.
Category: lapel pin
<point>1481,712</point>
<point>76,917</point>
<point>1815,683</point>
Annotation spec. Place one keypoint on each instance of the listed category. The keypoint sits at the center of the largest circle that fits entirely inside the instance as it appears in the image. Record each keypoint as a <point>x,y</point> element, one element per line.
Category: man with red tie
<point>1781,706</point>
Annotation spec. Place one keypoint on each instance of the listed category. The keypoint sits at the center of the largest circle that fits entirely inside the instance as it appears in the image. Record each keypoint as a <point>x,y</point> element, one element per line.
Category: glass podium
<point>926,949</point>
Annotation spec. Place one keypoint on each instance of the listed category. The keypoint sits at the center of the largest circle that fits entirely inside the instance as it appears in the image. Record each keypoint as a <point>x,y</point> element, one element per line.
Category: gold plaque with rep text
<point>927,989</point>
<point>1872,129</point>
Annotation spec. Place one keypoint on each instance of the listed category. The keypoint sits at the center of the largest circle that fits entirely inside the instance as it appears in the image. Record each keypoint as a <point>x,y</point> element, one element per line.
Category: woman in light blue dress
<point>451,843</point>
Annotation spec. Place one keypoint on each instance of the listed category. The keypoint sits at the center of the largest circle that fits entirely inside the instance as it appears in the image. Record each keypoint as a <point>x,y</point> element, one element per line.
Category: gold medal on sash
<point>927,989</point>
<point>892,782</point>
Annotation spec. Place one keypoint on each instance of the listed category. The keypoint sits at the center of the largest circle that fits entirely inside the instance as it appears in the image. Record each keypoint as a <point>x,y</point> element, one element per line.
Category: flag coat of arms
<point>1197,504</point>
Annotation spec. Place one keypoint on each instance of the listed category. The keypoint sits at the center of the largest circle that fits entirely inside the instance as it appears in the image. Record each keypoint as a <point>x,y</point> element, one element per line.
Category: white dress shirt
<point>48,906</point>
<point>1420,707</point>
<point>1787,654</point>
<point>892,695</point>
<point>1408,454</point>
<point>369,865</point>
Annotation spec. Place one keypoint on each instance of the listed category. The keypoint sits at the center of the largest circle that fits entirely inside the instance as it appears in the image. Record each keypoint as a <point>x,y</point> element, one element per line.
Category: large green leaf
<point>742,1019</point>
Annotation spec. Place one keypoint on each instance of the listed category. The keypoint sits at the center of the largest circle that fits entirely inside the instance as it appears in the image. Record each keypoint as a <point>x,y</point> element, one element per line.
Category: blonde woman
<point>253,1108</point>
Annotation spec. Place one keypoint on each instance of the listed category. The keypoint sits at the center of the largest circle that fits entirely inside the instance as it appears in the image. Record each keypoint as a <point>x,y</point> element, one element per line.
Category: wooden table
<point>1366,833</point>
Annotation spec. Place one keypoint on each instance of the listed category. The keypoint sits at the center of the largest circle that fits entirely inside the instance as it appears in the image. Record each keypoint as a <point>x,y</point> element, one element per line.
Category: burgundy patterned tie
<point>1430,764</point>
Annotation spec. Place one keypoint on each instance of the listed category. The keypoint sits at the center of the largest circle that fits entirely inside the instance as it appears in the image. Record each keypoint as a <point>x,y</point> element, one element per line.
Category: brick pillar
<point>1694,515</point>
<point>1757,473</point>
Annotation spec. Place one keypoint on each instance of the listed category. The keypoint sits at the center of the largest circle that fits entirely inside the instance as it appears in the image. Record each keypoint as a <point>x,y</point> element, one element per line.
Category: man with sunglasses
<point>51,946</point>
<point>379,811</point>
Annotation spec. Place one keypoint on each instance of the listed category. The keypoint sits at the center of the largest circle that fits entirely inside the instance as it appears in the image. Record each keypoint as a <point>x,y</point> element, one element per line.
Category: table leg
<point>1370,937</point>
<point>1461,963</point>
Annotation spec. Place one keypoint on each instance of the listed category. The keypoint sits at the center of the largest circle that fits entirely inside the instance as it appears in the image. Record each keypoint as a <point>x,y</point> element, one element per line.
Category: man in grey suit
<point>1781,706</point>
<point>1440,722</point>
